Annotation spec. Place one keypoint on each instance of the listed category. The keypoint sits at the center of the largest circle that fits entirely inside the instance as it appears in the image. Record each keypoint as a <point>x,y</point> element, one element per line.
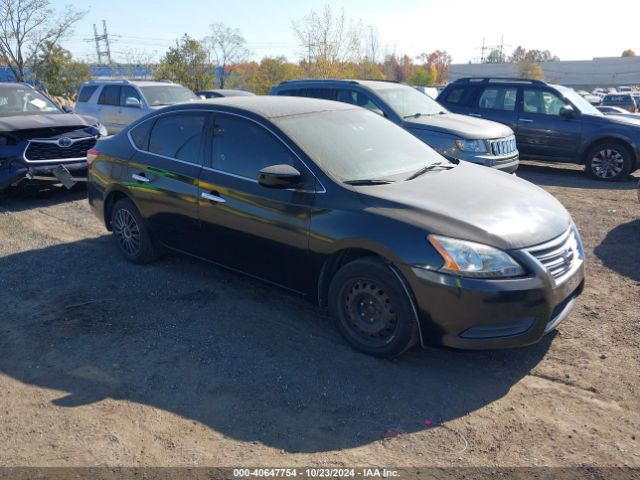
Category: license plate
<point>64,176</point>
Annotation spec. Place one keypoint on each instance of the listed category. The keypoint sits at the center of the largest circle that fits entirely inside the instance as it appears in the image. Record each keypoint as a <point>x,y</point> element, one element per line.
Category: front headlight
<point>476,146</point>
<point>102,130</point>
<point>470,259</point>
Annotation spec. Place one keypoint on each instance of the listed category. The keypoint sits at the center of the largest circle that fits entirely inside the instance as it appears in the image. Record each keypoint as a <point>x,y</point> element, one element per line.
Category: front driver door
<point>257,230</point>
<point>542,132</point>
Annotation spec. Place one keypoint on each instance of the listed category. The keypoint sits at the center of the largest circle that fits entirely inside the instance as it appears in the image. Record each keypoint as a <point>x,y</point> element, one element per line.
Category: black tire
<point>369,287</point>
<point>609,162</point>
<point>131,233</point>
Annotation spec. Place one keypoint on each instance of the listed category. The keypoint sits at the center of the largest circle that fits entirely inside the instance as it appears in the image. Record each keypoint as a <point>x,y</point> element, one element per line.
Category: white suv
<point>117,103</point>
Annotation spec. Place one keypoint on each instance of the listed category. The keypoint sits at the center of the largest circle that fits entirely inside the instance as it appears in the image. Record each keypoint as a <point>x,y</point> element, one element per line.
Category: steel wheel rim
<point>369,312</point>
<point>127,232</point>
<point>607,163</point>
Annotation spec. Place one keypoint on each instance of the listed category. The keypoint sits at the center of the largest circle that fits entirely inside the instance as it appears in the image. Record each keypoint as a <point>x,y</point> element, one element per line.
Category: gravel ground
<point>182,363</point>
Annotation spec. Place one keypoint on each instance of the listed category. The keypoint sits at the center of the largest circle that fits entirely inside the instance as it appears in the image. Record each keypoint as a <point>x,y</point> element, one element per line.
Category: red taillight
<point>91,156</point>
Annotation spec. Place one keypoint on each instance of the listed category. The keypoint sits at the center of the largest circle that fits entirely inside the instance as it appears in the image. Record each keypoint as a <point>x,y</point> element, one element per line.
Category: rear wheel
<point>609,161</point>
<point>371,308</point>
<point>131,233</point>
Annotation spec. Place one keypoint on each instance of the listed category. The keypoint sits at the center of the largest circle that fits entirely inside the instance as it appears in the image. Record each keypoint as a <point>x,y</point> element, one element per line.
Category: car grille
<point>560,255</point>
<point>503,146</point>
<point>49,150</point>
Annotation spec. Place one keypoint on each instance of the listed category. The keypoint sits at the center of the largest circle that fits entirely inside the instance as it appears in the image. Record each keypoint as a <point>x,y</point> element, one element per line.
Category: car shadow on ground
<point>569,176</point>
<point>36,196</point>
<point>619,251</point>
<point>246,359</point>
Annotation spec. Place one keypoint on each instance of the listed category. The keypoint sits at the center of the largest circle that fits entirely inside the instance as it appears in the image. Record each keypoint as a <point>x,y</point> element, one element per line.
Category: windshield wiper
<point>417,115</point>
<point>427,169</point>
<point>368,181</point>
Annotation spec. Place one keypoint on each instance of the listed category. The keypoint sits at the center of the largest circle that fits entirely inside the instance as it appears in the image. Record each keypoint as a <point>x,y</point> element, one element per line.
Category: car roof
<point>372,84</point>
<point>138,83</point>
<point>274,106</point>
<point>15,85</point>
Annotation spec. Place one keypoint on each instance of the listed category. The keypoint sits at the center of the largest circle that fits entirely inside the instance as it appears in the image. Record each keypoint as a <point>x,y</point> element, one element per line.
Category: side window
<point>110,95</point>
<point>455,95</point>
<point>498,98</point>
<point>356,98</point>
<point>542,102</point>
<point>290,93</point>
<point>128,92</point>
<point>324,93</point>
<point>86,92</point>
<point>179,136</point>
<point>140,135</point>
<point>241,147</point>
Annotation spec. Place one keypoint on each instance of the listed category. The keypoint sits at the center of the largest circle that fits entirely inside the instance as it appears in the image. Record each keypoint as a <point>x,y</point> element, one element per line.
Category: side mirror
<point>567,111</point>
<point>202,97</point>
<point>279,176</point>
<point>67,109</point>
<point>133,102</point>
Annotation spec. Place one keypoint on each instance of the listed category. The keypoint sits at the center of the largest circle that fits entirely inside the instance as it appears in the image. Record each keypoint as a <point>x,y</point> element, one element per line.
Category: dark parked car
<point>226,92</point>
<point>613,110</point>
<point>622,100</point>
<point>39,141</point>
<point>552,123</point>
<point>335,202</point>
<point>454,136</point>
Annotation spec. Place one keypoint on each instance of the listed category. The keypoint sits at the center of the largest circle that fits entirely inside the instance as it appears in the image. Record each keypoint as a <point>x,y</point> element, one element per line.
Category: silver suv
<point>117,103</point>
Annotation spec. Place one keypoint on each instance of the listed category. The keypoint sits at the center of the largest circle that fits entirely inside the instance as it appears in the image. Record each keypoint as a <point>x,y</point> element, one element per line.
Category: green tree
<point>628,53</point>
<point>531,70</point>
<point>496,56</point>
<point>421,77</point>
<point>186,64</point>
<point>61,75</point>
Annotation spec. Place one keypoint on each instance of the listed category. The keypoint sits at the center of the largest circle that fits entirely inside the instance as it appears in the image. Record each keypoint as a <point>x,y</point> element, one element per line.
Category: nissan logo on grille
<point>64,142</point>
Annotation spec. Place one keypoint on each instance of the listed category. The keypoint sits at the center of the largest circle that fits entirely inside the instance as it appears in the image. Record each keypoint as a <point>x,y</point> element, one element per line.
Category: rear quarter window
<point>86,93</point>
<point>460,95</point>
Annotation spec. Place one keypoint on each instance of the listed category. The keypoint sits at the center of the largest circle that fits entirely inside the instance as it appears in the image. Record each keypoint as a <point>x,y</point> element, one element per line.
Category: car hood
<point>621,118</point>
<point>31,122</point>
<point>462,126</point>
<point>474,203</point>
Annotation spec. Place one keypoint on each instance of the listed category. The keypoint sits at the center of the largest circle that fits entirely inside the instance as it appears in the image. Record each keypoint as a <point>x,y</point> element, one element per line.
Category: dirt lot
<point>181,363</point>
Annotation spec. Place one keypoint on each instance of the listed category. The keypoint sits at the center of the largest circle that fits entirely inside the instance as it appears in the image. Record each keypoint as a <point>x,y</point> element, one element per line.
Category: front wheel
<point>131,233</point>
<point>609,161</point>
<point>371,308</point>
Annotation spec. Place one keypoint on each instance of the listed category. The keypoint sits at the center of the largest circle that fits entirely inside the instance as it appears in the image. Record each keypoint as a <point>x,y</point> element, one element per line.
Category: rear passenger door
<point>108,108</point>
<point>497,103</point>
<point>164,174</point>
<point>542,132</point>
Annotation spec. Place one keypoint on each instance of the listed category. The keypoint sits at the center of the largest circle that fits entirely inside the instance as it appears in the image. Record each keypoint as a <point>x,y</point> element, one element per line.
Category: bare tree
<point>372,44</point>
<point>28,30</point>
<point>227,47</point>
<point>328,39</point>
<point>138,63</point>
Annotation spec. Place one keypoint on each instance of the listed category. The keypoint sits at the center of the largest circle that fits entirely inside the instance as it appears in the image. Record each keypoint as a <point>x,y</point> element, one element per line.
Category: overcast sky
<point>571,30</point>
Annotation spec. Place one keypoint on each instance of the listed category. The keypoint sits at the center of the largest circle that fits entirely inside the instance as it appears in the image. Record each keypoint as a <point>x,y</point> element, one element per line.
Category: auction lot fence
<point>450,473</point>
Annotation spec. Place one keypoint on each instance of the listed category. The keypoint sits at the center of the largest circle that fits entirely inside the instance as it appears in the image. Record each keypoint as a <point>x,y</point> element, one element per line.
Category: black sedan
<point>337,203</point>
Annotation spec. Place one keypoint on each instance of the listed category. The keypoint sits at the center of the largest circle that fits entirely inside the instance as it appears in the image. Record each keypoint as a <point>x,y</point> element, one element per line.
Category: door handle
<point>140,178</point>
<point>475,115</point>
<point>212,197</point>
<point>526,120</point>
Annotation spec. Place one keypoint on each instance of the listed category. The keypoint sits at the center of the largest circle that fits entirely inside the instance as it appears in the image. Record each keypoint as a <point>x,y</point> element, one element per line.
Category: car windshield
<point>579,102</point>
<point>24,100</point>
<point>355,144</point>
<point>408,102</point>
<point>158,95</point>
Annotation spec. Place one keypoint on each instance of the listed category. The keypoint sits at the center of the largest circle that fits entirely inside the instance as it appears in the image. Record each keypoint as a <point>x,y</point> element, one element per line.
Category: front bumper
<point>485,314</point>
<point>17,173</point>
<point>508,163</point>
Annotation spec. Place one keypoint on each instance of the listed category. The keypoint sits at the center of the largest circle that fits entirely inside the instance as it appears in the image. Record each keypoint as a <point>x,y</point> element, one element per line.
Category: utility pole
<point>103,53</point>
<point>482,51</point>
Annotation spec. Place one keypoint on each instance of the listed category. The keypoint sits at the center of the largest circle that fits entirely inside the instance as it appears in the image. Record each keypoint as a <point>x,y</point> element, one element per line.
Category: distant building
<point>579,74</point>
